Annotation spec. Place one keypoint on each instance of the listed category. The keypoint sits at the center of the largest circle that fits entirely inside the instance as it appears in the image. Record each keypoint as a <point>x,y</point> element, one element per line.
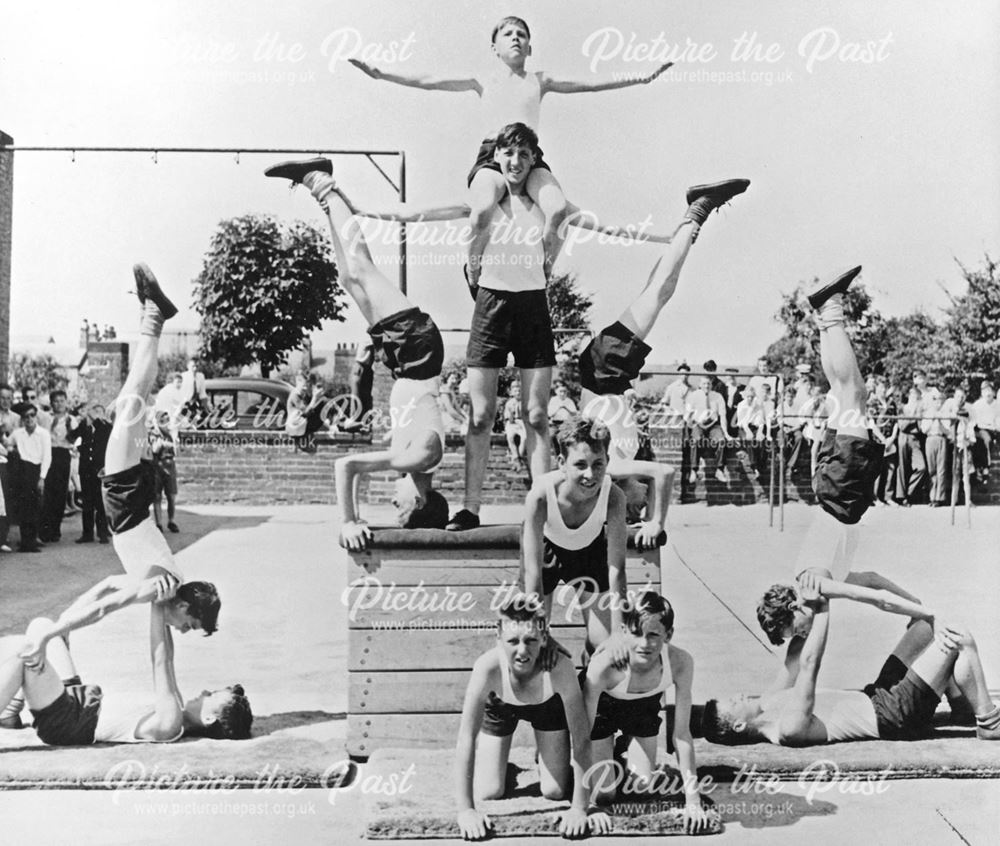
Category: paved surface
<point>283,635</point>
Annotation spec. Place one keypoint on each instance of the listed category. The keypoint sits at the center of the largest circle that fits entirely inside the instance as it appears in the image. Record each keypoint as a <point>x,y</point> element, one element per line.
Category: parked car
<point>246,403</point>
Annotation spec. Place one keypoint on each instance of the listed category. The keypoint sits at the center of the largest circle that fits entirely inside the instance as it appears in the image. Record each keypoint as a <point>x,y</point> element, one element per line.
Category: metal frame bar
<point>399,188</point>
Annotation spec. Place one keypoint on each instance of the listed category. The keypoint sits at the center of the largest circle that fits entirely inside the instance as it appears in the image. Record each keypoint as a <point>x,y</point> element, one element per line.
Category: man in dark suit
<point>93,430</point>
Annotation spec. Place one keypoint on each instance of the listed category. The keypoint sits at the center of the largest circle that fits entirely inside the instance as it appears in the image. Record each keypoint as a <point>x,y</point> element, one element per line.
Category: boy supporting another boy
<point>574,532</point>
<point>510,95</point>
<point>629,700</point>
<point>929,659</point>
<point>507,685</point>
<point>613,359</point>
<point>410,346</point>
<point>68,713</point>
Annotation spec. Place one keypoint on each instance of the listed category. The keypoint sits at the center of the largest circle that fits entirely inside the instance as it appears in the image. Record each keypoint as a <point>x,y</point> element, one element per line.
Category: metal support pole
<point>780,402</point>
<point>402,226</point>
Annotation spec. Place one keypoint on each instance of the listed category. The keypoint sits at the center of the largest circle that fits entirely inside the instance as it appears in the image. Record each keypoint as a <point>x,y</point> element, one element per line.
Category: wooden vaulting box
<point>420,615</point>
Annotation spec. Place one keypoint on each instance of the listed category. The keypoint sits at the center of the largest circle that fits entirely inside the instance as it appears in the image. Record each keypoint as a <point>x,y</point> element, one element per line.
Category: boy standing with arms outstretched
<point>509,95</point>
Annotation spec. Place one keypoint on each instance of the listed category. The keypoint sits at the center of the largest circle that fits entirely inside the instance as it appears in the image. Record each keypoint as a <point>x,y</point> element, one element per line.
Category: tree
<point>868,330</point>
<point>916,343</point>
<point>262,288</point>
<point>41,372</point>
<point>570,309</point>
<point>971,332</point>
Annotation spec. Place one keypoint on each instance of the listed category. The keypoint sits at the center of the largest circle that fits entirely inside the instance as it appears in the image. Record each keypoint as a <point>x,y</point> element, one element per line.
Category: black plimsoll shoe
<point>296,170</point>
<point>463,520</point>
<point>824,290</point>
<point>147,288</point>
<point>702,200</point>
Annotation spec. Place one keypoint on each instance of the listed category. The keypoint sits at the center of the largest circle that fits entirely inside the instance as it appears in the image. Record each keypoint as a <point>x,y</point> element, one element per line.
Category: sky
<point>869,132</point>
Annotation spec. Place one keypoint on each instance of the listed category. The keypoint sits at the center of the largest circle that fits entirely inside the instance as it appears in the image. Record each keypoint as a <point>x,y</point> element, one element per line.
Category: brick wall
<point>107,367</point>
<point>266,469</point>
<point>6,227</point>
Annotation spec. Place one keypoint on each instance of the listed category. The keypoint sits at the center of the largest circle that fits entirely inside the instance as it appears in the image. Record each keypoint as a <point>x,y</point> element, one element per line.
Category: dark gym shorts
<point>515,322</point>
<point>846,471</point>
<point>904,702</point>
<point>501,717</point>
<point>484,159</point>
<point>632,717</point>
<point>72,718</point>
<point>409,344</point>
<point>612,360</point>
<point>589,563</point>
<point>128,494</point>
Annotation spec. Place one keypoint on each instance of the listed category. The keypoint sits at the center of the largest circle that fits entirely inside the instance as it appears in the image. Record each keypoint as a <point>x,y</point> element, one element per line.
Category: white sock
<point>831,313</point>
<point>152,320</point>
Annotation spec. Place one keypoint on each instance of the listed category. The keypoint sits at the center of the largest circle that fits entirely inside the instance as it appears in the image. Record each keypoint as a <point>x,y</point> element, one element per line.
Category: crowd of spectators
<point>51,455</point>
<point>924,432</point>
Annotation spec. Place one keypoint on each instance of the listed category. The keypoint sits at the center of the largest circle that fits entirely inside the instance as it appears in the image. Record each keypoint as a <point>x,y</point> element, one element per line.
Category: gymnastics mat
<point>409,795</point>
<point>950,753</point>
<point>306,748</point>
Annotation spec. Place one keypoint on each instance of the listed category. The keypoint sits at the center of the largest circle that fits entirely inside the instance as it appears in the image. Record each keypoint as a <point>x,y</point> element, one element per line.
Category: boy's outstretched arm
<point>789,671</point>
<point>584,219</point>
<point>565,86</point>
<point>411,213</point>
<point>574,822</point>
<point>798,725</point>
<point>695,818</point>
<point>876,581</point>
<point>167,721</point>
<point>810,585</point>
<point>473,824</point>
<point>533,542</point>
<point>104,598</point>
<point>426,81</point>
<point>661,477</point>
<point>617,542</point>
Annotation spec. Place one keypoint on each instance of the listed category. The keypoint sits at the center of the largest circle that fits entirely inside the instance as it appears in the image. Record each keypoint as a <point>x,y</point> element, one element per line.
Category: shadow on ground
<point>33,585</point>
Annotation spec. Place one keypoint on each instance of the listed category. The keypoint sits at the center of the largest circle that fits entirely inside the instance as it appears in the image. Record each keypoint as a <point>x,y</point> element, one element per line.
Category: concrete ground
<point>283,635</point>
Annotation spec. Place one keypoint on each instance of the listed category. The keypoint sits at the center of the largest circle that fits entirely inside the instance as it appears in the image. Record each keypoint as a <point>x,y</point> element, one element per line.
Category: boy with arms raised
<point>508,684</point>
<point>629,700</point>
<point>509,95</point>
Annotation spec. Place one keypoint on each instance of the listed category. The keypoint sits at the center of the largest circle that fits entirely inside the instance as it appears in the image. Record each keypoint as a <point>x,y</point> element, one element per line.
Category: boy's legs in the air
<point>374,293</point>
<point>614,358</point>
<point>849,459</point>
<point>128,440</point>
